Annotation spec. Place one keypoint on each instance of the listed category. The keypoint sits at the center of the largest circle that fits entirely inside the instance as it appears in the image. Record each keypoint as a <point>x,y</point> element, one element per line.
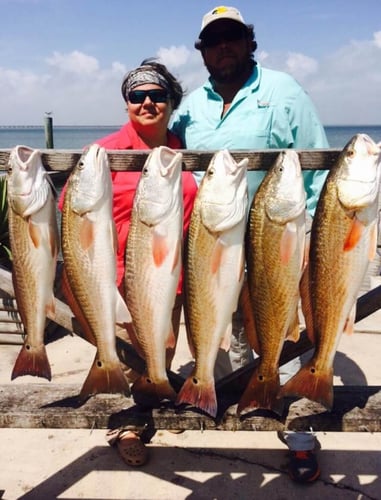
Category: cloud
<point>74,86</point>
<point>343,84</point>
<point>347,85</point>
<point>300,65</point>
<point>377,39</point>
<point>186,65</point>
<point>74,62</point>
<point>173,56</point>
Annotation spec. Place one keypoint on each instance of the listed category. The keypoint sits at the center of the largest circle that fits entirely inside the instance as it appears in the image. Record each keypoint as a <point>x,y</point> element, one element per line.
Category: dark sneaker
<point>303,466</point>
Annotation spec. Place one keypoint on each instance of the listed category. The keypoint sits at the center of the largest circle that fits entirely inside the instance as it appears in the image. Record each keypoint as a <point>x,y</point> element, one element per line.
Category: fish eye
<point>211,172</point>
<point>145,171</point>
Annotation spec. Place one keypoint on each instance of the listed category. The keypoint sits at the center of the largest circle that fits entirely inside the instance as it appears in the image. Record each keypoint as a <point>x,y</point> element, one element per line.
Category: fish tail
<point>260,392</point>
<point>311,383</point>
<point>104,378</point>
<point>199,394</point>
<point>32,361</point>
<point>146,392</point>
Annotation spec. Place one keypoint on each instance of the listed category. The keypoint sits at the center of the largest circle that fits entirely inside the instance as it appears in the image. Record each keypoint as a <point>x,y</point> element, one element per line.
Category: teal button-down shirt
<point>270,111</point>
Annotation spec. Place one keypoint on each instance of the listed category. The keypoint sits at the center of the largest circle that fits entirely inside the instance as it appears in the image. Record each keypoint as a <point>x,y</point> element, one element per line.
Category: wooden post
<point>49,132</point>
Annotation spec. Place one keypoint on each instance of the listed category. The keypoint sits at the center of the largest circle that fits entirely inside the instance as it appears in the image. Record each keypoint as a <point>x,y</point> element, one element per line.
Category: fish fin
<point>76,309</point>
<point>349,326</point>
<point>171,340</point>
<point>288,242</point>
<point>199,394</point>
<point>53,242</point>
<point>226,339</point>
<point>104,378</point>
<point>312,383</point>
<point>176,255</point>
<point>373,242</point>
<point>123,314</point>
<point>86,234</point>
<point>160,248</point>
<point>241,266</point>
<point>192,350</point>
<point>217,255</point>
<point>306,253</point>
<point>148,393</point>
<point>127,333</point>
<point>34,233</point>
<point>293,331</point>
<point>190,342</point>
<point>305,296</point>
<point>50,308</point>
<point>261,392</point>
<point>248,318</point>
<point>354,234</point>
<point>32,361</point>
<point>188,328</point>
<point>114,236</point>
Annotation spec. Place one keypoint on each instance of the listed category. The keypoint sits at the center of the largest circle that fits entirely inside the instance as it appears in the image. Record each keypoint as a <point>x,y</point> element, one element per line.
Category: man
<point>245,106</point>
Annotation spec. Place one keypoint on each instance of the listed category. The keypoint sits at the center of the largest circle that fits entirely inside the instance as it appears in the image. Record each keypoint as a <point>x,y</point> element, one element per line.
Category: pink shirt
<point>124,187</point>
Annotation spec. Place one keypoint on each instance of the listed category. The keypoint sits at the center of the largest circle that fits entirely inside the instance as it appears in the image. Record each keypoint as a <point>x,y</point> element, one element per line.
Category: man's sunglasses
<point>139,96</point>
<point>213,39</point>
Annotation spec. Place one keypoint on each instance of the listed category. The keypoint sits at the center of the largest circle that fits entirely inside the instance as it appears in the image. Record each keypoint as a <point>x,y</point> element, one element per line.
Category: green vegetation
<point>5,251</point>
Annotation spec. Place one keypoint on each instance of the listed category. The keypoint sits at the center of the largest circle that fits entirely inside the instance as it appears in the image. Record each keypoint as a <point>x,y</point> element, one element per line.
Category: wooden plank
<point>11,327</point>
<point>65,160</point>
<point>56,406</point>
<point>11,338</point>
<point>9,316</point>
<point>7,303</point>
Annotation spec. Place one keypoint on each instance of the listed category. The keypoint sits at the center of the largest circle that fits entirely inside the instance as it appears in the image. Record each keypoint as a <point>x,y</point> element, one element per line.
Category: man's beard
<point>230,73</point>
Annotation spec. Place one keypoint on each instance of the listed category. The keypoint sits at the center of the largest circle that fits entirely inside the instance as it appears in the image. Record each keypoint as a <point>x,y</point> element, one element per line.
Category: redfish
<point>34,239</point>
<point>214,272</point>
<point>89,252</point>
<point>343,242</point>
<point>275,259</point>
<point>152,268</point>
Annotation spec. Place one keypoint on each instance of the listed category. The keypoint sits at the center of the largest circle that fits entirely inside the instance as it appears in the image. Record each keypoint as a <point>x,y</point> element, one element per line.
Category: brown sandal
<point>131,448</point>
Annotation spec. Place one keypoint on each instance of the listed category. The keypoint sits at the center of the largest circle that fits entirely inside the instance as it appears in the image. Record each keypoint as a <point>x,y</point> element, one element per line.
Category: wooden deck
<point>56,406</point>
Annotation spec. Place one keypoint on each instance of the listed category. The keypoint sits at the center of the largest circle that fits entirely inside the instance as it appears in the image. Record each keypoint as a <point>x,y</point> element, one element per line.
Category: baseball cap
<point>221,12</point>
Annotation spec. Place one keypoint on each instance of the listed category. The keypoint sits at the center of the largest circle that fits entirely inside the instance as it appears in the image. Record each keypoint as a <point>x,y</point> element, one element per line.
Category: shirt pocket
<point>257,126</point>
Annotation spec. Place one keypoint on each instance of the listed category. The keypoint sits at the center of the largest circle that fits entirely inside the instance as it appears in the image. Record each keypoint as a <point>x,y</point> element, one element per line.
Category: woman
<point>151,93</point>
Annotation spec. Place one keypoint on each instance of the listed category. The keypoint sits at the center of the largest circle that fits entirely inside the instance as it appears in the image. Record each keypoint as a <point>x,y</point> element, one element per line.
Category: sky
<point>69,57</point>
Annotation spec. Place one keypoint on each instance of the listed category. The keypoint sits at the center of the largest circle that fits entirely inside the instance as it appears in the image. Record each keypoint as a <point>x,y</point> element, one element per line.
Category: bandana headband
<point>142,75</point>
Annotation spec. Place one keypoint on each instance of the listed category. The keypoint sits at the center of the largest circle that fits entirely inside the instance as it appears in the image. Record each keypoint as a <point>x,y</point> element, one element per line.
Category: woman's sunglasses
<point>139,96</point>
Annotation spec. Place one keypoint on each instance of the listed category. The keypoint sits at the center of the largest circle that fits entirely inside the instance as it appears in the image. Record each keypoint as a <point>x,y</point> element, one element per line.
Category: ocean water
<point>63,137</point>
<point>78,137</point>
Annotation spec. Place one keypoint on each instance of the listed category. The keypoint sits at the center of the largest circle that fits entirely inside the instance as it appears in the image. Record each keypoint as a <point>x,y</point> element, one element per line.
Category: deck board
<point>50,405</point>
